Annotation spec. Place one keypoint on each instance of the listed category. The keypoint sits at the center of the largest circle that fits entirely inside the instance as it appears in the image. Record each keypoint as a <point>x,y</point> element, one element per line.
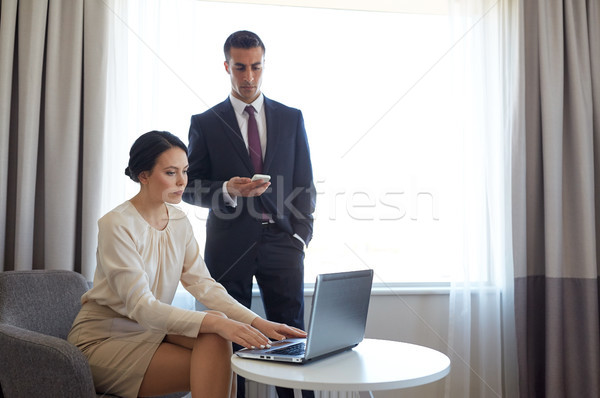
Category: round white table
<point>371,366</point>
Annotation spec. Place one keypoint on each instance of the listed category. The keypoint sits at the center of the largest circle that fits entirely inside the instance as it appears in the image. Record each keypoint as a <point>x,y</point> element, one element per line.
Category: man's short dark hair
<point>242,39</point>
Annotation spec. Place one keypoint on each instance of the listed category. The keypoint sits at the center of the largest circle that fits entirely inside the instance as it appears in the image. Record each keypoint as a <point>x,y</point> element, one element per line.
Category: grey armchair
<point>37,309</point>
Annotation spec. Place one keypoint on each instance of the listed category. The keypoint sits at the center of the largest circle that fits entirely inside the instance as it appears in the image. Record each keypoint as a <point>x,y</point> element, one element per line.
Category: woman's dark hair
<point>242,39</point>
<point>146,150</point>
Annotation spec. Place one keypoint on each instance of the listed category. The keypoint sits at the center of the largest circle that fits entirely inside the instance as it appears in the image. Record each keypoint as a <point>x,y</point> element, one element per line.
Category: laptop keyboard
<point>295,349</point>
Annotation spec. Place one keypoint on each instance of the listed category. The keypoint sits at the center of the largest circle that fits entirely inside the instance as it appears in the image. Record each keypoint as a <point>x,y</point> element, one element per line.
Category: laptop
<point>337,323</point>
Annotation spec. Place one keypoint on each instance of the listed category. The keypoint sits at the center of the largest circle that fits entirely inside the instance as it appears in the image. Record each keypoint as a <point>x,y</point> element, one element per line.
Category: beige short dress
<point>127,313</point>
<point>118,349</point>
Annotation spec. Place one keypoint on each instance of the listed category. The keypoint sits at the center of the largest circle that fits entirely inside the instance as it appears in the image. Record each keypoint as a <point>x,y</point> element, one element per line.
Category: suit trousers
<point>276,259</point>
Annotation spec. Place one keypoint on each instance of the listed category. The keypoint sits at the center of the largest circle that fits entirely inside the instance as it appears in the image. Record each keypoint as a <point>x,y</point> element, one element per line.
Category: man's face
<point>245,66</point>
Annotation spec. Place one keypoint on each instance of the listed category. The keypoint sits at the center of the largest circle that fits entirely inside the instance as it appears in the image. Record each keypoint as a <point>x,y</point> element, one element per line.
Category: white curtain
<point>481,341</point>
<point>52,104</point>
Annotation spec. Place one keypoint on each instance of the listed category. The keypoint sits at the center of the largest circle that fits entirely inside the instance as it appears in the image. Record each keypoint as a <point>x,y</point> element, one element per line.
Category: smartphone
<point>263,177</point>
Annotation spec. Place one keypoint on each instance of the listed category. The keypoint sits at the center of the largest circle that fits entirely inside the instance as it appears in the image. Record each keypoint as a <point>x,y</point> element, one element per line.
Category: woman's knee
<point>214,338</point>
<point>217,346</point>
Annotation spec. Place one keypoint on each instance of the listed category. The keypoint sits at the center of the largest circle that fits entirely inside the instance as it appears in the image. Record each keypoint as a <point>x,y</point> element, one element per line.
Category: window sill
<point>387,290</point>
<point>401,289</point>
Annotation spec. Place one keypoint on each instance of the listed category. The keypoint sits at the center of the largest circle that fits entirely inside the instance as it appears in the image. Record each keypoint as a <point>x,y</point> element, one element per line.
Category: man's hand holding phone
<point>247,187</point>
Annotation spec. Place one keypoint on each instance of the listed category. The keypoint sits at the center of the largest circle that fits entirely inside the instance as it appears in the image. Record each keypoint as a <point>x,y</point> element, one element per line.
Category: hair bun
<point>127,171</point>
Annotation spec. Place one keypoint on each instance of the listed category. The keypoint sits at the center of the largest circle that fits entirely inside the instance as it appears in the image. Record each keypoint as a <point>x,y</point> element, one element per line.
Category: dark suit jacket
<point>217,152</point>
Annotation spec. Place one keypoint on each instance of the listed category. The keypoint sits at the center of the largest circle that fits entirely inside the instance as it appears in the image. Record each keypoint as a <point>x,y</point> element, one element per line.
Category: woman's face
<point>168,179</point>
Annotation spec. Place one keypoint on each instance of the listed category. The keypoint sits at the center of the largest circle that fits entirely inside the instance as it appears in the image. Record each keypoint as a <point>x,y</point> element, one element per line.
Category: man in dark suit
<point>254,228</point>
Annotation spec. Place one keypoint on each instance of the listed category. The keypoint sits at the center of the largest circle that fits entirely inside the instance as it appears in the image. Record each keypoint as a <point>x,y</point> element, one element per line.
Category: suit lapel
<point>226,114</point>
<point>273,122</point>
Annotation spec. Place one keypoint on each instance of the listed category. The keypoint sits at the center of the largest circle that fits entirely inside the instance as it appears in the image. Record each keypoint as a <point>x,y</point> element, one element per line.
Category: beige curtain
<point>556,182</point>
<point>52,112</point>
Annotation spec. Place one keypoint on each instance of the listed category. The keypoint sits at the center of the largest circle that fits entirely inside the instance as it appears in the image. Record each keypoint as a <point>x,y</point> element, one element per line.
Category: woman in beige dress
<point>137,344</point>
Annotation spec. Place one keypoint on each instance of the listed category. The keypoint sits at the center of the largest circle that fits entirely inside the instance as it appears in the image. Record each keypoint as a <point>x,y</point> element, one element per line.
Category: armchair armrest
<point>37,365</point>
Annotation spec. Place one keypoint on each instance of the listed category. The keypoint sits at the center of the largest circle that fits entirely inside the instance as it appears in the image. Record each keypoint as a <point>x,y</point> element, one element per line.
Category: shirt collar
<point>239,105</point>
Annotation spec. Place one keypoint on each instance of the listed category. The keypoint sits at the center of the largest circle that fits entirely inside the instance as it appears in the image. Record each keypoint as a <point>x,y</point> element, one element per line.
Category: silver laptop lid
<point>339,318</point>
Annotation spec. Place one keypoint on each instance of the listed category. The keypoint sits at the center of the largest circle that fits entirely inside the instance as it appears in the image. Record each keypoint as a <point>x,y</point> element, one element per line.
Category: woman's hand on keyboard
<point>277,331</point>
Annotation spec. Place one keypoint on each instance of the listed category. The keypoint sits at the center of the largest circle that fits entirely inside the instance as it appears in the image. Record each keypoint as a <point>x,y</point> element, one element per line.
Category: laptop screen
<point>339,311</point>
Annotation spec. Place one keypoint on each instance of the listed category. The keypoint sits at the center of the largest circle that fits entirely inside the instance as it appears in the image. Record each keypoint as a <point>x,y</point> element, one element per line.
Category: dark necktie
<point>254,148</point>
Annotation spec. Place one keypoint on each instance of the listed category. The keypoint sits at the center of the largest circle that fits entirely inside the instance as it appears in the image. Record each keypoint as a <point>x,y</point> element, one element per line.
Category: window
<point>385,96</point>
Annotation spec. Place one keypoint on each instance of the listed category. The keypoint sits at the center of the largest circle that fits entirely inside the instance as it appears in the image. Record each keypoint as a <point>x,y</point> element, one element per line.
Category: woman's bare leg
<point>168,372</point>
<point>210,370</point>
<point>205,370</point>
<point>201,365</point>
